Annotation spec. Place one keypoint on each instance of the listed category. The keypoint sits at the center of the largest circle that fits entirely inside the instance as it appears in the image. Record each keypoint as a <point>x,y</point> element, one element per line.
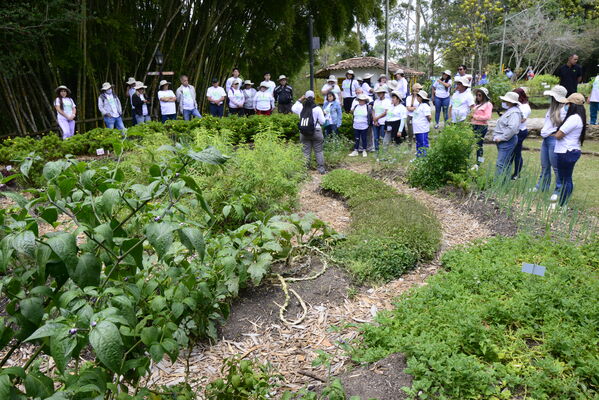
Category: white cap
<point>350,71</point>
<point>309,93</point>
<point>332,78</point>
<point>447,72</point>
<point>282,77</point>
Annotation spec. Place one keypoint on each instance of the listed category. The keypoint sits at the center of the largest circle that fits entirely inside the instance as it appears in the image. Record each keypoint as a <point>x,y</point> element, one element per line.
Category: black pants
<point>248,111</point>
<point>347,103</point>
<point>480,131</point>
<point>236,111</point>
<point>517,156</point>
<point>284,108</point>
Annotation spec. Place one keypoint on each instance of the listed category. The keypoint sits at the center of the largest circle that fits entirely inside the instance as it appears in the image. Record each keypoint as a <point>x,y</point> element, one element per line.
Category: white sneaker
<point>353,153</point>
<point>553,197</point>
<point>437,126</point>
<point>533,190</point>
<point>364,153</point>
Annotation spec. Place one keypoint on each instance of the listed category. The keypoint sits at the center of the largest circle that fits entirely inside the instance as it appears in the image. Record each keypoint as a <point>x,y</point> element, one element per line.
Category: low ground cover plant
<point>487,330</point>
<point>389,233</point>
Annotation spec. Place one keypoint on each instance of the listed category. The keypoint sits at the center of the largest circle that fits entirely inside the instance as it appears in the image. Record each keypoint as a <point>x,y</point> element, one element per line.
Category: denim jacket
<point>508,125</point>
<point>335,111</point>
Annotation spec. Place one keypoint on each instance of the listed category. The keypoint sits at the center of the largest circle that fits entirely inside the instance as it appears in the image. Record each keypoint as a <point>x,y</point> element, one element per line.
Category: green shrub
<point>243,379</point>
<point>498,85</point>
<point>535,85</point>
<point>450,155</point>
<point>487,330</point>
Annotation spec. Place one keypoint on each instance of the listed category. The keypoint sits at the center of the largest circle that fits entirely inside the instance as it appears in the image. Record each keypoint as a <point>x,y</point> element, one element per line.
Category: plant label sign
<point>9,167</point>
<point>481,159</point>
<point>533,269</point>
<point>100,152</point>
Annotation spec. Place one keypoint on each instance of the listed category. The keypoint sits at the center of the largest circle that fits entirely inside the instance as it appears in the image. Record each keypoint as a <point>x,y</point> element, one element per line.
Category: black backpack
<point>306,122</point>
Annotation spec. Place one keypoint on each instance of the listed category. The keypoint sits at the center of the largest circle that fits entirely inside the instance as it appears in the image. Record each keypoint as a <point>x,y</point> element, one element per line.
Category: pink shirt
<point>481,114</point>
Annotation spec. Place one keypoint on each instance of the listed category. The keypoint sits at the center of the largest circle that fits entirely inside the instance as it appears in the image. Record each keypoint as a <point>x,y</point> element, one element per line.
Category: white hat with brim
<point>558,92</point>
<point>447,72</point>
<point>248,82</point>
<point>483,90</point>
<point>423,94</point>
<point>281,77</point>
<point>368,76</point>
<point>332,78</point>
<point>381,89</point>
<point>396,94</point>
<point>416,87</point>
<point>382,76</point>
<point>510,97</point>
<point>263,85</point>
<point>164,82</point>
<point>463,80</point>
<point>350,72</point>
<point>130,81</point>
<point>362,97</point>
<point>63,87</point>
<point>139,85</point>
<point>359,78</point>
<point>399,71</point>
<point>576,98</point>
<point>105,86</point>
<point>236,81</point>
<point>392,85</point>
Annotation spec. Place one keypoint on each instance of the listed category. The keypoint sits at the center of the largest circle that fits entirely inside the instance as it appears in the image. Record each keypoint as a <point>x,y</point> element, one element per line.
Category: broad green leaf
<point>193,239</point>
<point>109,199</point>
<point>17,198</point>
<point>24,243</point>
<point>157,352</point>
<point>64,245</point>
<point>158,303</point>
<point>54,168</point>
<point>32,309</point>
<point>61,347</point>
<point>50,329</point>
<point>259,268</point>
<point>87,272</point>
<point>167,147</point>
<point>136,254</point>
<point>108,345</point>
<point>226,210</point>
<point>160,236</point>
<point>209,155</point>
<point>49,214</point>
<point>177,309</point>
<point>14,371</point>
<point>149,335</point>
<point>7,389</point>
<point>26,166</point>
<point>38,385</point>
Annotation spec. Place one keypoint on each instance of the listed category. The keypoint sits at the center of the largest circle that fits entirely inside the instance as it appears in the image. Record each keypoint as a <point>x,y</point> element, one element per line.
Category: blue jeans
<point>421,143</point>
<point>480,131</point>
<point>517,157</point>
<point>167,117</point>
<point>548,162</point>
<point>441,104</point>
<point>504,155</point>
<point>187,114</point>
<point>378,132</point>
<point>594,107</point>
<point>216,111</point>
<point>112,122</point>
<point>330,129</point>
<point>565,167</point>
<point>360,134</point>
<point>142,118</point>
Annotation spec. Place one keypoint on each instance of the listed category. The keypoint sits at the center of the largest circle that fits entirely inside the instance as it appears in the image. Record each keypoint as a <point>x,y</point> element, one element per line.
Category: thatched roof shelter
<point>363,65</point>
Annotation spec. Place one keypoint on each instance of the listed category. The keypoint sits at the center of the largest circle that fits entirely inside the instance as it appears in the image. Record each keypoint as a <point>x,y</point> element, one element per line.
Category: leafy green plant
<point>243,379</point>
<point>498,85</point>
<point>332,391</point>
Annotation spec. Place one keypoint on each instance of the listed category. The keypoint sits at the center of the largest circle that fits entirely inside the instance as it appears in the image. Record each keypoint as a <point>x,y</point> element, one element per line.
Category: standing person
<point>367,85</point>
<point>440,95</point>
<point>283,95</point>
<point>505,134</point>
<point>264,103</point>
<point>310,126</point>
<point>216,98</point>
<point>462,72</point>
<point>168,107</point>
<point>522,133</point>
<point>268,84</point>
<point>570,137</point>
<point>396,120</point>
<point>331,86</point>
<point>509,73</point>
<point>402,84</point>
<point>594,101</point>
<point>461,101</point>
<point>382,80</point>
<point>140,103</point>
<point>130,92</point>
<point>248,94</point>
<point>379,113</point>
<point>234,76</point>
<point>333,114</point>
<point>570,74</point>
<point>361,114</point>
<point>553,119</point>
<point>110,108</point>
<point>481,115</point>
<point>348,87</point>
<point>236,99</point>
<point>186,97</point>
<point>66,111</point>
<point>421,122</point>
<point>412,104</point>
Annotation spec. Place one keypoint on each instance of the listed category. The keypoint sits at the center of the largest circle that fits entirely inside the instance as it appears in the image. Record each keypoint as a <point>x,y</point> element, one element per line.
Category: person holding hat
<point>311,121</point>
<point>594,101</point>
<point>506,130</point>
<point>66,111</point>
<point>481,115</point>
<point>396,120</point>
<point>168,106</point>
<point>140,103</point>
<point>522,133</point>
<point>362,115</point>
<point>554,117</point>
<point>440,94</point>
<point>331,86</point>
<point>248,95</point>
<point>380,108</point>
<point>461,101</point>
<point>216,99</point>
<point>283,95</point>
<point>269,85</point>
<point>110,108</point>
<point>421,123</point>
<point>570,137</point>
<point>264,103</point>
<point>332,113</point>
<point>234,76</point>
<point>402,83</point>
<point>366,85</point>
<point>348,89</point>
<point>130,92</point>
<point>186,97</point>
<point>412,104</point>
<point>236,98</point>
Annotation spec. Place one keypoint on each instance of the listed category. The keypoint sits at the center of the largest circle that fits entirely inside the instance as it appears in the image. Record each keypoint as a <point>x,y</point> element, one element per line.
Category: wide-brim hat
<point>447,72</point>
<point>416,87</point>
<point>359,78</point>
<point>105,86</point>
<point>483,90</point>
<point>139,85</point>
<point>392,85</point>
<point>164,82</point>
<point>63,87</point>
<point>396,94</point>
<point>248,82</point>
<point>368,76</point>
<point>350,72</point>
<point>463,80</point>
<point>332,78</point>
<point>362,97</point>
<point>399,71</point>
<point>423,94</point>
<point>381,89</point>
<point>130,81</point>
<point>510,97</point>
<point>558,92</point>
<point>264,85</point>
<point>236,82</point>
<point>381,76</point>
<point>281,77</point>
<point>576,98</point>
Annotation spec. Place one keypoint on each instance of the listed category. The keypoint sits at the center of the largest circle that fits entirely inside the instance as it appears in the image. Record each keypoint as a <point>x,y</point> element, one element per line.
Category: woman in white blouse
<point>236,99</point>
<point>263,101</point>
<point>522,133</point>
<point>65,111</point>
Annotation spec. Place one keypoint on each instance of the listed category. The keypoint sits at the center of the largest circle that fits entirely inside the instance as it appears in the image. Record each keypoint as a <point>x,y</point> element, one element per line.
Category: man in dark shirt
<point>570,74</point>
<point>283,95</point>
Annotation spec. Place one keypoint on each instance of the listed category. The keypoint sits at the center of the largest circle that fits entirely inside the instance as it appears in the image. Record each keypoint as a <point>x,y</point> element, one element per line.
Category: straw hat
<point>130,81</point>
<point>416,87</point>
<point>558,92</point>
<point>63,87</point>
<point>423,94</point>
<point>362,97</point>
<point>368,76</point>
<point>164,82</point>
<point>281,77</point>
<point>105,86</point>
<point>463,80</point>
<point>396,94</point>
<point>309,93</point>
<point>350,71</point>
<point>447,72</point>
<point>483,90</point>
<point>248,82</point>
<point>139,85</point>
<point>332,78</point>
<point>392,85</point>
<point>575,98</point>
<point>510,97</point>
<point>399,71</point>
<point>381,89</point>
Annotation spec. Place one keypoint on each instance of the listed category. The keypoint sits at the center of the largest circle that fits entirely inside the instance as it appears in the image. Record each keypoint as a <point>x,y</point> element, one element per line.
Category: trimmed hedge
<point>390,232</point>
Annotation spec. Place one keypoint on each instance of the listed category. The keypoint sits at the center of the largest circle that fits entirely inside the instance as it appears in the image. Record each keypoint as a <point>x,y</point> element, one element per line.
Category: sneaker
<point>553,197</point>
<point>322,171</point>
<point>353,153</point>
<point>437,126</point>
<point>364,153</point>
<point>515,178</point>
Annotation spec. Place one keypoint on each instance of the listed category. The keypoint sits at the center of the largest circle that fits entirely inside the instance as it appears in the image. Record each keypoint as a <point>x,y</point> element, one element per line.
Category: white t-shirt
<point>270,86</point>
<point>67,106</point>
<point>167,107</point>
<point>248,95</point>
<point>397,113</point>
<point>548,127</point>
<point>525,110</point>
<point>361,117</point>
<point>420,122</point>
<point>349,87</point>
<point>380,106</point>
<point>144,108</point>
<point>460,105</point>
<point>215,93</point>
<point>366,88</point>
<point>595,90</point>
<point>572,128</point>
<point>441,91</point>
<point>236,98</point>
<point>327,87</point>
<point>264,101</point>
<point>187,99</point>
<point>317,113</point>
<point>409,104</point>
<point>402,87</point>
<point>114,111</point>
